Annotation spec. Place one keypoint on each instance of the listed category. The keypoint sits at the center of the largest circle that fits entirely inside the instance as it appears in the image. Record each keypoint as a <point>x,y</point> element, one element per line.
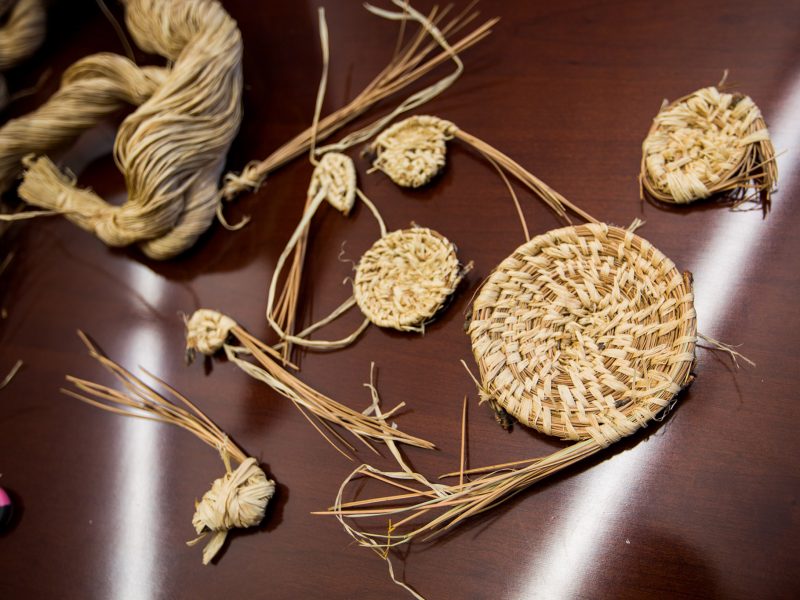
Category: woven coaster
<point>335,176</point>
<point>406,277</point>
<point>584,332</point>
<point>414,150</point>
<point>706,143</point>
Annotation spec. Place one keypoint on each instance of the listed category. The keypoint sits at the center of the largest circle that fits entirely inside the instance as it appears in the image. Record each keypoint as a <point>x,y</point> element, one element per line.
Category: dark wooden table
<point>702,505</point>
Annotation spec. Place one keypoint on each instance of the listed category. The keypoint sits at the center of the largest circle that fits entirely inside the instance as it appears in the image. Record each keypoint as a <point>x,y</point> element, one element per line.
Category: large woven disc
<point>406,277</point>
<point>705,143</point>
<point>585,332</point>
<point>412,151</point>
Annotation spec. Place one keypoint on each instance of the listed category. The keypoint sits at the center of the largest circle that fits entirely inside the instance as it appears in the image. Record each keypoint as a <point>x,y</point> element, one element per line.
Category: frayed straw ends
<point>585,333</point>
<point>406,277</point>
<point>706,143</point>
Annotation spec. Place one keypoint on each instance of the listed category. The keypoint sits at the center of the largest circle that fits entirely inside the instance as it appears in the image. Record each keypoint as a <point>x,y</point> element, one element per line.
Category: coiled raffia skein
<point>91,89</point>
<point>172,149</point>
<point>20,36</point>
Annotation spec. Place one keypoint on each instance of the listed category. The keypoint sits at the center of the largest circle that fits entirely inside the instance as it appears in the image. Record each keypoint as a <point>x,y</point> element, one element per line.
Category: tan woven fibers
<point>335,177</point>
<point>406,277</point>
<point>23,31</point>
<point>91,89</point>
<point>172,149</point>
<point>706,143</point>
<point>413,151</point>
<point>585,333</point>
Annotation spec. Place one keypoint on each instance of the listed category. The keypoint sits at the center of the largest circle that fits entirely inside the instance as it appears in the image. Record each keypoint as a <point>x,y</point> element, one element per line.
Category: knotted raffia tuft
<point>91,89</point>
<point>706,143</point>
<point>585,333</point>
<point>238,499</point>
<point>172,149</point>
<point>413,151</point>
<point>335,177</point>
<point>406,277</point>
<point>206,331</point>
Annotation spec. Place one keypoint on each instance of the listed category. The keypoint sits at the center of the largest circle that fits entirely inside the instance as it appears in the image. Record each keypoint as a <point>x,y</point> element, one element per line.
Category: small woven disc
<point>705,143</point>
<point>584,332</point>
<point>335,176</point>
<point>411,152</point>
<point>406,277</point>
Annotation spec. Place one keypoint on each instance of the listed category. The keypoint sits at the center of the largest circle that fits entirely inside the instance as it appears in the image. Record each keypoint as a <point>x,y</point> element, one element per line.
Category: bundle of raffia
<point>585,333</point>
<point>238,499</point>
<point>413,151</point>
<point>172,148</point>
<point>208,331</point>
<point>20,35</point>
<point>709,142</point>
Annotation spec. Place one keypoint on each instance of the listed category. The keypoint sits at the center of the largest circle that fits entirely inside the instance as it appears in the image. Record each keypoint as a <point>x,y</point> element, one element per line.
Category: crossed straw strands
<point>238,499</point>
<point>706,143</point>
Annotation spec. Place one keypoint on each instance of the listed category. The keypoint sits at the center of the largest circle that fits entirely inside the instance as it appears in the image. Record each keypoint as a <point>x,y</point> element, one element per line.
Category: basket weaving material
<point>585,333</point>
<point>406,277</point>
<point>706,143</point>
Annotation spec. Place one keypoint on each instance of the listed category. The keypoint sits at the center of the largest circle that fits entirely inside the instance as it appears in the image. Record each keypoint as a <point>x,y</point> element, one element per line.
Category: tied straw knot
<point>238,499</point>
<point>206,332</point>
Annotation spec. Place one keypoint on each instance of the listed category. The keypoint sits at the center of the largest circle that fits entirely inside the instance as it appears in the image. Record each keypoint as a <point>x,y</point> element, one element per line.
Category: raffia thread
<point>172,148</point>
<point>587,333</point>
<point>405,278</point>
<point>708,142</point>
<point>208,331</point>
<point>91,89</point>
<point>20,36</point>
<point>238,499</point>
<point>413,151</point>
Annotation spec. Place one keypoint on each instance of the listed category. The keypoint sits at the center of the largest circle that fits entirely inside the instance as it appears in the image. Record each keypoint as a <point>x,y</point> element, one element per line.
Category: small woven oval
<point>585,332</point>
<point>706,143</point>
<point>335,176</point>
<point>413,151</point>
<point>406,277</point>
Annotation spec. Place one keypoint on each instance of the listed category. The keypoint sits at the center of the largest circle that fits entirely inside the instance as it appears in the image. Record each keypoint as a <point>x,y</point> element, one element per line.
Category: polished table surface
<point>701,505</point>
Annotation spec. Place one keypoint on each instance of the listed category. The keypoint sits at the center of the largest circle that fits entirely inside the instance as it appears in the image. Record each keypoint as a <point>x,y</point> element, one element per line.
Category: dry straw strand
<point>238,499</point>
<point>413,151</point>
<point>172,148</point>
<point>415,59</point>
<point>586,333</point>
<point>709,142</point>
<point>207,332</point>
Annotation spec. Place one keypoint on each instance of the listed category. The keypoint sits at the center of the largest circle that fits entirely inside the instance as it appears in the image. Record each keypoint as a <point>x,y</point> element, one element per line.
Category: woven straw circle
<point>585,333</point>
<point>705,143</point>
<point>406,277</point>
<point>335,177</point>
<point>413,151</point>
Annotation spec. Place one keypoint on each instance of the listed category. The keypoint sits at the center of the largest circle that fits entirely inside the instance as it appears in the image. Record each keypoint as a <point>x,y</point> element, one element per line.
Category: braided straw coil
<point>585,333</point>
<point>706,143</point>
<point>172,148</point>
<point>23,31</point>
<point>406,277</point>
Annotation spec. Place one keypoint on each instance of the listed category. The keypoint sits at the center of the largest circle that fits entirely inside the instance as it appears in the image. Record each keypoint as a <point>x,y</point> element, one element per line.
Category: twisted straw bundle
<point>20,36</point>
<point>586,333</point>
<point>91,89</point>
<point>413,151</point>
<point>207,332</point>
<point>238,499</point>
<point>172,148</point>
<point>708,142</point>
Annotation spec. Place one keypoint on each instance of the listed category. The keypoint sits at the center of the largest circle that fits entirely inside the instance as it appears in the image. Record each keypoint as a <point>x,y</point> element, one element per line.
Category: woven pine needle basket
<point>706,143</point>
<point>406,277</point>
<point>584,332</point>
